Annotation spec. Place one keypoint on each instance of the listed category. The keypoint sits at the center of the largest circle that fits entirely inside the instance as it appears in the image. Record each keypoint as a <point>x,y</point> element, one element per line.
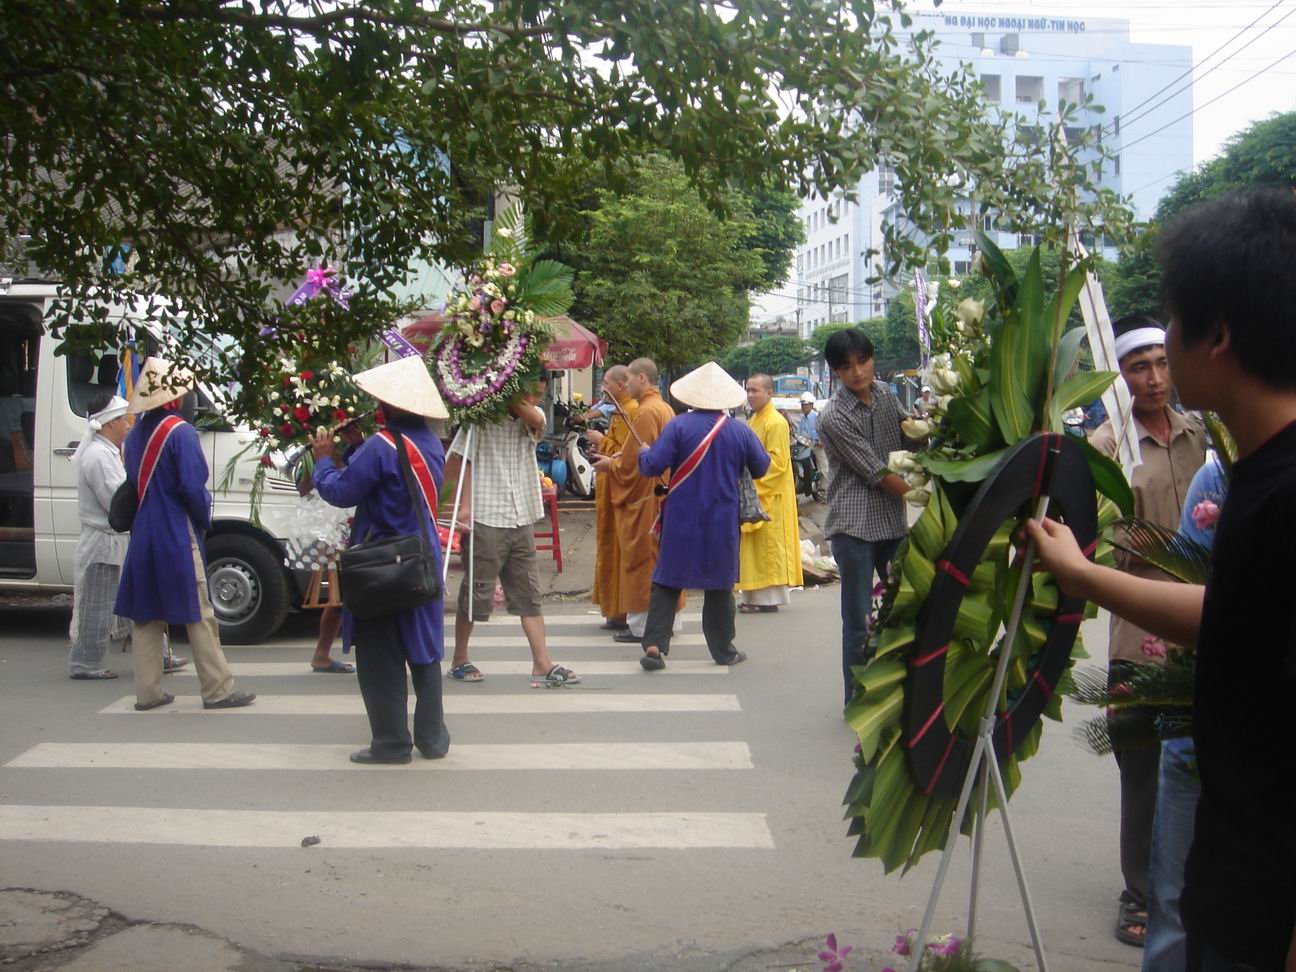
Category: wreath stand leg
<point>470,440</point>
<point>986,765</point>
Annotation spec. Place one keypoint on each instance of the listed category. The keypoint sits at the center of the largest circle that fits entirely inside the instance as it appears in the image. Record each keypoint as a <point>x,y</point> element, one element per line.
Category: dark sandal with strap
<point>1131,924</point>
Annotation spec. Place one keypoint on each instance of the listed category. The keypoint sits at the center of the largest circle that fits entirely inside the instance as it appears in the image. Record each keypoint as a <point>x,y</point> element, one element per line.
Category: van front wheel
<point>248,588</point>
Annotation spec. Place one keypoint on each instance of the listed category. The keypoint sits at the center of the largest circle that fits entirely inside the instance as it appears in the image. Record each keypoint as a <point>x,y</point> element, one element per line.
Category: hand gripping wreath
<point>1044,464</point>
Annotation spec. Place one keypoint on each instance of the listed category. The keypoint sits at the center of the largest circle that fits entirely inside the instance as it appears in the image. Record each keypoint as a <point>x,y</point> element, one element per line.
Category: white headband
<point>1140,337</point>
<point>115,409</point>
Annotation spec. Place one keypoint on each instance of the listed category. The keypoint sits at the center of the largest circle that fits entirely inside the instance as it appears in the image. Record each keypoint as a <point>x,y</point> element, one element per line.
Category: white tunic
<point>99,473</point>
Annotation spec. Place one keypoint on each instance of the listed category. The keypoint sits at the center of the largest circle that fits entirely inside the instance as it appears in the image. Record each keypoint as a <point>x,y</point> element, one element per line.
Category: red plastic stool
<point>554,543</point>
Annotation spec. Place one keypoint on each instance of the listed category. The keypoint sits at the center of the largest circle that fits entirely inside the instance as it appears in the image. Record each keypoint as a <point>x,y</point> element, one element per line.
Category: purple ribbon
<point>321,279</point>
<point>393,339</point>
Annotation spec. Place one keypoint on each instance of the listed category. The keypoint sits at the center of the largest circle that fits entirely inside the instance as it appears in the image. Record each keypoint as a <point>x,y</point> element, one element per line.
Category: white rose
<point>916,428</point>
<point>901,461</point>
<point>953,283</point>
<point>970,312</point>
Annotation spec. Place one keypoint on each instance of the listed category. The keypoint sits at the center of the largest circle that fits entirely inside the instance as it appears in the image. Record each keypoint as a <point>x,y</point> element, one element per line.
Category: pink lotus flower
<point>497,307</point>
<point>1205,514</point>
<point>834,958</point>
<point>1153,647</point>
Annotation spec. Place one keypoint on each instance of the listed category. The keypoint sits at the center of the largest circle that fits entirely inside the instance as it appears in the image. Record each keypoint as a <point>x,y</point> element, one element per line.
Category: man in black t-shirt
<point>1229,285</point>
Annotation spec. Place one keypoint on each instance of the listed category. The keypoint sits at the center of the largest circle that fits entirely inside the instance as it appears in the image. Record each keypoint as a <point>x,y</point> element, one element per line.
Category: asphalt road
<point>685,820</point>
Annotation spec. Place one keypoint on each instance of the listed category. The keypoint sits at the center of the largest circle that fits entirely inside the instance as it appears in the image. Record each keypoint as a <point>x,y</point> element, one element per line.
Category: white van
<point>43,399</point>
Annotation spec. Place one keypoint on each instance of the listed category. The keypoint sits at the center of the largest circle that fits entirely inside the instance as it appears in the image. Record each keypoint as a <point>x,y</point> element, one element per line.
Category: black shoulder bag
<point>394,574</point>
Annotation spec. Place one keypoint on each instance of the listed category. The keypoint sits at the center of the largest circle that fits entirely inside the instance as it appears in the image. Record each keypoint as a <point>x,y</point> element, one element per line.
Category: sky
<point>1209,28</point>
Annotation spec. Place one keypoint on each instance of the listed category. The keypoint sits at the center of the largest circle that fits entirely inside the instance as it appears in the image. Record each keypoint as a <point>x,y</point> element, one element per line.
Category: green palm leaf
<point>1225,446</point>
<point>1181,557</point>
<point>546,287</point>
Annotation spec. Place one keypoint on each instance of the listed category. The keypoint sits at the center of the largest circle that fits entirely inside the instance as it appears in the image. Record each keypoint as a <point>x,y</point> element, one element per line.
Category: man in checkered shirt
<point>860,428</point>
<point>502,502</point>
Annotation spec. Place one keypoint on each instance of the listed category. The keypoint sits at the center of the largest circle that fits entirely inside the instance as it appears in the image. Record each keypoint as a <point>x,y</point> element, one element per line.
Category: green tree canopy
<point>779,355</point>
<point>820,335</point>
<point>661,275</point>
<point>737,361</point>
<point>233,144</point>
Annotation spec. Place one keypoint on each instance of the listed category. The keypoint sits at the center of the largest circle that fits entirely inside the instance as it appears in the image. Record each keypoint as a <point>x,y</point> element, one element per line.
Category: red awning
<point>573,346</point>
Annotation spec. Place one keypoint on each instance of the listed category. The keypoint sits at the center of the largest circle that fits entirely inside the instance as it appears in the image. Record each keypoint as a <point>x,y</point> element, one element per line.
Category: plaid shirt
<point>505,477</point>
<point>858,439</point>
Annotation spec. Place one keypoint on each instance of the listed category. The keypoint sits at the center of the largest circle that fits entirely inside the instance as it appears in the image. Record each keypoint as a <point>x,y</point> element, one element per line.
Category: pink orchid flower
<point>1153,647</point>
<point>834,958</point>
<point>1205,514</point>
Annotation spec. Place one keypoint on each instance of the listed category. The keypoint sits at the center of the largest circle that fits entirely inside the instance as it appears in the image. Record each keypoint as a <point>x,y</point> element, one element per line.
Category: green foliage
<point>661,275</point>
<point>779,355</point>
<point>820,335</point>
<point>776,233</point>
<point>737,361</point>
<point>232,145</point>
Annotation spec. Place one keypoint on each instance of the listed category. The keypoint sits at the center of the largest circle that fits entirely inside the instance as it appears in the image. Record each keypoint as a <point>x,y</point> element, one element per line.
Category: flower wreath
<point>495,333</point>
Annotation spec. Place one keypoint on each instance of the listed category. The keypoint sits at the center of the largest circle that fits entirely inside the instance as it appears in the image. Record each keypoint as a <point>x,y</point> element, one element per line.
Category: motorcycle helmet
<point>807,398</point>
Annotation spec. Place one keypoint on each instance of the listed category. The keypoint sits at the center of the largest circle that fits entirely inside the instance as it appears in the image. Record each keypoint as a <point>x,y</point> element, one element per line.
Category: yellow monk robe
<point>769,554</point>
<point>637,504</point>
<point>607,555</point>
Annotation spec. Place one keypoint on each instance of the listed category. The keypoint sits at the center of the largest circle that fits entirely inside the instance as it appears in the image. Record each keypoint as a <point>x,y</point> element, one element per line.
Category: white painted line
<point>536,702</point>
<point>385,829</point>
<point>684,666</point>
<point>557,642</point>
<point>478,756</point>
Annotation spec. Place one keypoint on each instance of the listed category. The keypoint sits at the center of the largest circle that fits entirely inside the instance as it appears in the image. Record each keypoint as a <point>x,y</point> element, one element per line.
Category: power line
<point>1188,73</point>
<point>1209,103</point>
<point>1143,114</point>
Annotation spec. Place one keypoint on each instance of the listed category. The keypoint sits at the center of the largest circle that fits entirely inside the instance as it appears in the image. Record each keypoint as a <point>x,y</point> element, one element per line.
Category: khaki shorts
<point>509,555</point>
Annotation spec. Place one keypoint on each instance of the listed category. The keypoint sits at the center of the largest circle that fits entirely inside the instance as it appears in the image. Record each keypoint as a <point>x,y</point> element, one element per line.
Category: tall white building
<point>1021,59</point>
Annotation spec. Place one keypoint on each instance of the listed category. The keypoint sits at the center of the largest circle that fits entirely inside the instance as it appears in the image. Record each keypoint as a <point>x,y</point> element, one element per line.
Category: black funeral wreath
<point>1044,464</point>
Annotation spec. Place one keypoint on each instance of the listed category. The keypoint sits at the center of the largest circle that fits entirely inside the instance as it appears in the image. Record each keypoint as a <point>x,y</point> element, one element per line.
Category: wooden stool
<point>550,497</point>
<point>319,580</point>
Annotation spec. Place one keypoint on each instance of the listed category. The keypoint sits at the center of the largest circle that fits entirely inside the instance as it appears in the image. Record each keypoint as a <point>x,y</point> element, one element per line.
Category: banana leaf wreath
<point>1006,374</point>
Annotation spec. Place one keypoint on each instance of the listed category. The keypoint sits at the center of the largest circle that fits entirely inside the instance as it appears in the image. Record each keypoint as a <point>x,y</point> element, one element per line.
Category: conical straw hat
<point>406,384</point>
<point>709,387</point>
<point>160,381</point>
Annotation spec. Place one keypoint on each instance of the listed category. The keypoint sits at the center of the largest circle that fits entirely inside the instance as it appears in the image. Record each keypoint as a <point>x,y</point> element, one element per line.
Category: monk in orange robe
<point>607,556</point>
<point>634,497</point>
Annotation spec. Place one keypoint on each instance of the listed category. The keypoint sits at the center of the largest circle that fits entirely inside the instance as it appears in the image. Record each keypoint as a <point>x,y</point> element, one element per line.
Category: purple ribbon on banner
<point>393,339</point>
<point>321,279</point>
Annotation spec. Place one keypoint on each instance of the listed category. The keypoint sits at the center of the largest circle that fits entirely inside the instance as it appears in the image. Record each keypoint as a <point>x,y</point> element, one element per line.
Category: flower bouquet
<point>1000,375</point>
<point>495,330</point>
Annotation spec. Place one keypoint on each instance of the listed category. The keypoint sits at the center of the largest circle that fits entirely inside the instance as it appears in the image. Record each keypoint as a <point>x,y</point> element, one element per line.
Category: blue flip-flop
<point>467,672</point>
<point>335,667</point>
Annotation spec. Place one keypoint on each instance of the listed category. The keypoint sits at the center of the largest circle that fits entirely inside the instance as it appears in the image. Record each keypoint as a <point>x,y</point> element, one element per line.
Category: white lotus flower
<point>918,497</point>
<point>970,312</point>
<point>902,461</point>
<point>943,381</point>
<point>916,428</point>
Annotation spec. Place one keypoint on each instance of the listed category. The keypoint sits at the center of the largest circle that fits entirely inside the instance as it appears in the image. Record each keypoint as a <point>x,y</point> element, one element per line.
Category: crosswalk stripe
<point>469,756</point>
<point>556,641</point>
<point>538,702</point>
<point>384,829</point>
<point>684,666</point>
<point>594,619</point>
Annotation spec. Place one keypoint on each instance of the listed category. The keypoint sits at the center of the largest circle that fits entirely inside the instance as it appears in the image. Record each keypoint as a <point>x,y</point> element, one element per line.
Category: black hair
<point>1132,322</point>
<point>839,348</point>
<point>99,403</point>
<point>1229,262</point>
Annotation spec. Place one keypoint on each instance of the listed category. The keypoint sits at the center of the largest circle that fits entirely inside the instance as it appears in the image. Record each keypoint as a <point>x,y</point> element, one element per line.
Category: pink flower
<point>497,307</point>
<point>904,942</point>
<point>507,270</point>
<point>834,958</point>
<point>945,945</point>
<point>474,304</point>
<point>1153,647</point>
<point>1205,514</point>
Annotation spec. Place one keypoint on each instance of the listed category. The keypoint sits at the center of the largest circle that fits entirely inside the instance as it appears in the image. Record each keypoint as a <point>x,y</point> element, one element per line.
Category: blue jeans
<point>856,562</point>
<point>1165,947</point>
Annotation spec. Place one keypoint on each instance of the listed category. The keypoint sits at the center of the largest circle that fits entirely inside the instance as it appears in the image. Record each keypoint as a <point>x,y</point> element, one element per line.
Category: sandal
<point>1131,924</point>
<point>335,667</point>
<point>757,608</point>
<point>652,663</point>
<point>103,673</point>
<point>558,675</point>
<point>467,672</point>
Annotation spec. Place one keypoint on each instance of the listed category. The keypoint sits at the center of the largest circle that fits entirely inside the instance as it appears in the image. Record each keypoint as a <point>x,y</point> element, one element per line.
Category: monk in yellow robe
<point>769,553</point>
<point>634,497</point>
<point>607,554</point>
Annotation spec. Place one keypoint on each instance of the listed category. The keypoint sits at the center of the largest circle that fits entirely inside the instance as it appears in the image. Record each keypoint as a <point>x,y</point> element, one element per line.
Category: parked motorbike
<point>810,479</point>
<point>568,453</point>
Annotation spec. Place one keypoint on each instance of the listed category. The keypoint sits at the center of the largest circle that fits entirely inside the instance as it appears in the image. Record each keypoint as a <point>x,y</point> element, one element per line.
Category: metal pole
<point>984,750</point>
<point>978,837</point>
<point>1027,903</point>
<point>454,514</point>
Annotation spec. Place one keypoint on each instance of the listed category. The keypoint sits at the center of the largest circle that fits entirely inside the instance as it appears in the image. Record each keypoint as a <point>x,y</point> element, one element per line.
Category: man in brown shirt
<point>634,496</point>
<point>1173,448</point>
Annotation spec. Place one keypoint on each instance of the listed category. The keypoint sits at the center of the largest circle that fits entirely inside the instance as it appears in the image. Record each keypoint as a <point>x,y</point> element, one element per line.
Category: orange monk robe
<point>607,555</point>
<point>637,505</point>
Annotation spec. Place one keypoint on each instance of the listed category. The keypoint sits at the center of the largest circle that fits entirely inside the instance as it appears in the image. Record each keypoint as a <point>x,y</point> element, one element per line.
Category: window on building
<point>1010,44</point>
<point>1073,134</point>
<point>961,267</point>
<point>1116,126</point>
<point>886,180</point>
<point>1030,89</point>
<point>1116,165</point>
<point>978,40</point>
<point>993,89</point>
<point>1071,90</point>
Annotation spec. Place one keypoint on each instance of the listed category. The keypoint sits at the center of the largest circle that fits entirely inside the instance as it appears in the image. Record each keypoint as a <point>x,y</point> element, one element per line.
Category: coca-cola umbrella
<point>572,347</point>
